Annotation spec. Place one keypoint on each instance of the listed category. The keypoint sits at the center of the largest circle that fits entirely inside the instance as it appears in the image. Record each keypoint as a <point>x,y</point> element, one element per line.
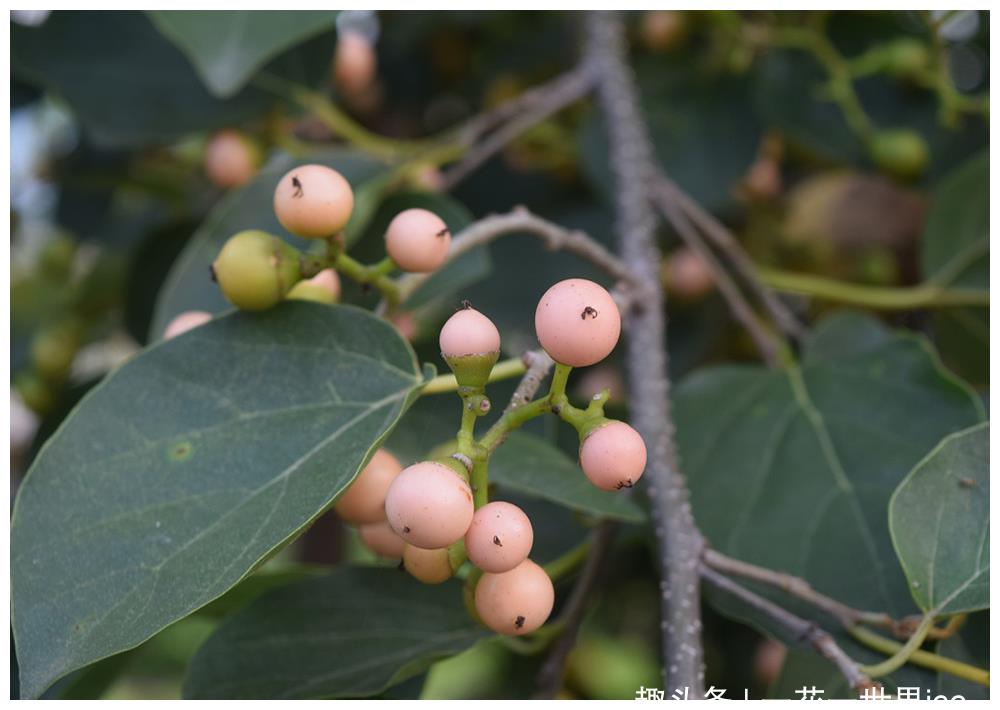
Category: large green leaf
<point>228,46</point>
<point>129,85</point>
<point>350,634</point>
<point>939,518</point>
<point>188,285</point>
<point>527,464</point>
<point>793,469</point>
<point>955,251</point>
<point>189,466</point>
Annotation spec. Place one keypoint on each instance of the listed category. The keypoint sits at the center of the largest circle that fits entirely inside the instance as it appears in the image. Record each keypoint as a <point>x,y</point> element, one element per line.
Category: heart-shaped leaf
<point>352,633</point>
<point>129,85</point>
<point>939,518</point>
<point>188,467</point>
<point>228,46</point>
<point>793,469</point>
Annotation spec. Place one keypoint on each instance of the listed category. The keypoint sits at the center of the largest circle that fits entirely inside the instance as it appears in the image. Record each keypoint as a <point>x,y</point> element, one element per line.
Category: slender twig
<point>847,616</point>
<point>796,587</point>
<point>521,221</point>
<point>767,342</point>
<point>727,243</point>
<point>798,628</point>
<point>680,543</point>
<point>534,108</point>
<point>527,101</point>
<point>550,677</point>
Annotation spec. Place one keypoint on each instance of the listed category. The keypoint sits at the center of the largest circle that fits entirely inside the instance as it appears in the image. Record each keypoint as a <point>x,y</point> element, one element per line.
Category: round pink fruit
<point>313,201</point>
<point>515,602</point>
<point>499,538</point>
<point>468,332</point>
<point>429,505</point>
<point>613,456</point>
<point>577,322</point>
<point>364,499</point>
<point>381,539</point>
<point>418,240</point>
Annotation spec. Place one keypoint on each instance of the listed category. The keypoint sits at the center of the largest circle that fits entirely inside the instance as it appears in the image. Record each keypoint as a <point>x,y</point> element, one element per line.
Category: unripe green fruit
<point>906,57</point>
<point>324,287</point>
<point>53,350</point>
<point>256,269</point>
<point>35,392</point>
<point>900,152</point>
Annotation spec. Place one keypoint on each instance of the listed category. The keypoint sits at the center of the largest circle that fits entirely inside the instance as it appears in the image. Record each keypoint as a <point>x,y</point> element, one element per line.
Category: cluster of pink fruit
<point>257,270</point>
<point>426,514</point>
<point>435,514</point>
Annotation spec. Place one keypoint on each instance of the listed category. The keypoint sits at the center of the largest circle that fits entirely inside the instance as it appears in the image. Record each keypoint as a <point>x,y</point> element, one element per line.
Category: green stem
<point>565,564</point>
<point>903,654</point>
<point>839,69</point>
<point>480,481</point>
<point>926,295</point>
<point>513,419</point>
<point>501,371</point>
<point>560,376</point>
<point>918,657</point>
<point>466,434</point>
<point>372,275</point>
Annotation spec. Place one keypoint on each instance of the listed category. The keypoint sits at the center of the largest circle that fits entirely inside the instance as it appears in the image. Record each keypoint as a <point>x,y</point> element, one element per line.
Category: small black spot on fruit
<point>519,622</point>
<point>496,541</point>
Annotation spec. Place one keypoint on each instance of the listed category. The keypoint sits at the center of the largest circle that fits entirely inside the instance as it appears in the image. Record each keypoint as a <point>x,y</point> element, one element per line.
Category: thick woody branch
<point>680,543</point>
<point>521,221</point>
<point>800,629</point>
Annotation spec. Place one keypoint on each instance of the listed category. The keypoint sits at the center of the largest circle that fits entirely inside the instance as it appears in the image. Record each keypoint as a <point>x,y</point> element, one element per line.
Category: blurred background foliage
<point>848,151</point>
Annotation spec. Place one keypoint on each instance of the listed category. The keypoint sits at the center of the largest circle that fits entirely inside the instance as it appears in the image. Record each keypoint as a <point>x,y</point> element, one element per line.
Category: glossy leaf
<point>188,467</point>
<point>955,251</point>
<point>939,518</point>
<point>228,46</point>
<point>352,633</point>
<point>793,469</point>
<point>129,85</point>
